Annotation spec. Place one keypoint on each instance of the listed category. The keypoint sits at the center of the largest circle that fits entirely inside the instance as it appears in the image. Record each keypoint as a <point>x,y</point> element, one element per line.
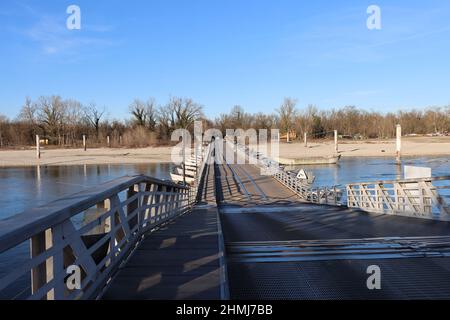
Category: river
<point>23,188</point>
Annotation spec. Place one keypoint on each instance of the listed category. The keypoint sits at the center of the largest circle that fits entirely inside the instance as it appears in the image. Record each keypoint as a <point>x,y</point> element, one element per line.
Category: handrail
<point>410,197</point>
<point>440,178</point>
<point>201,173</point>
<point>94,231</point>
<point>323,195</point>
<point>22,226</point>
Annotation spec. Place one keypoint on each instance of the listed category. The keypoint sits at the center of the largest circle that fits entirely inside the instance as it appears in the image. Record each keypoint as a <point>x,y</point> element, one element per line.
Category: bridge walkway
<point>280,248</point>
<point>181,260</point>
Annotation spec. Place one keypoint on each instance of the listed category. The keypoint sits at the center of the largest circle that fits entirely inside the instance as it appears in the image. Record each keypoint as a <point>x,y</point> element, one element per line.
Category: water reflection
<point>22,188</point>
<point>351,170</point>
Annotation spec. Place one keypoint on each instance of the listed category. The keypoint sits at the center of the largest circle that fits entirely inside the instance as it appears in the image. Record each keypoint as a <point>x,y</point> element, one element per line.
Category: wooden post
<point>287,137</point>
<point>306,140</point>
<point>399,143</point>
<point>108,142</point>
<point>38,147</point>
<point>40,274</point>
<point>184,159</point>
<point>84,142</point>
<point>336,147</point>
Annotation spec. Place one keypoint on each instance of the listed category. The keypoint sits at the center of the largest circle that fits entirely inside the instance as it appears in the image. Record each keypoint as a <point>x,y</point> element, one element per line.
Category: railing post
<point>335,195</point>
<point>132,206</point>
<point>41,273</point>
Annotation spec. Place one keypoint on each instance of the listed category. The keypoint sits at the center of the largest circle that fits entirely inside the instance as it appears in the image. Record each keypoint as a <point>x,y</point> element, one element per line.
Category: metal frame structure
<point>413,197</point>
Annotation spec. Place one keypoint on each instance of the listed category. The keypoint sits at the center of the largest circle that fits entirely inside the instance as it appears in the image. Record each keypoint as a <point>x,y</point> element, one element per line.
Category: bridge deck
<point>182,260</point>
<point>242,185</point>
<point>267,233</point>
<point>278,247</point>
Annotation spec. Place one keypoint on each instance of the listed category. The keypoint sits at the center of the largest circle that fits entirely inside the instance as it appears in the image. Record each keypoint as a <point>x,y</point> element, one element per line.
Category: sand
<point>57,157</point>
<point>439,146</point>
<point>420,146</point>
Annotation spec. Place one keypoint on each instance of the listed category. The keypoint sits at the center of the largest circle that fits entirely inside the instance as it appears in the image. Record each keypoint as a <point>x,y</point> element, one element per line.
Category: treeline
<point>63,122</point>
<point>349,121</point>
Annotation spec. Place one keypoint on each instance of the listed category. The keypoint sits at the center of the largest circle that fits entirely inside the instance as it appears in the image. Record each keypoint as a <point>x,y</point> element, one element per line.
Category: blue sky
<point>227,52</point>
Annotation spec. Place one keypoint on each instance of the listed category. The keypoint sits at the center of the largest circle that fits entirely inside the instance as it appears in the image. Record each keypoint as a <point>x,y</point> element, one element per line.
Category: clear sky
<point>227,52</point>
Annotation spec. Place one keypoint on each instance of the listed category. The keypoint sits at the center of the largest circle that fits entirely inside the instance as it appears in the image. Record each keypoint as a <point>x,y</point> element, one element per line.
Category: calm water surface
<point>22,188</point>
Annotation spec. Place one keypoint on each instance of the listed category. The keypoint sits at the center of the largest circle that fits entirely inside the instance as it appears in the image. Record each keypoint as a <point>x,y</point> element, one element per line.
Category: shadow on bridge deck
<point>269,253</point>
<point>182,260</point>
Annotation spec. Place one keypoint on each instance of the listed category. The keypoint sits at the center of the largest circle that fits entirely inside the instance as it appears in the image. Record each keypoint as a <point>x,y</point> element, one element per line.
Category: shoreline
<point>429,147</point>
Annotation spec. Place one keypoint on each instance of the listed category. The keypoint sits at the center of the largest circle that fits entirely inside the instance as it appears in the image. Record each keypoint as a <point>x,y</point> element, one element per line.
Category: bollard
<point>38,147</point>
<point>336,147</point>
<point>399,143</point>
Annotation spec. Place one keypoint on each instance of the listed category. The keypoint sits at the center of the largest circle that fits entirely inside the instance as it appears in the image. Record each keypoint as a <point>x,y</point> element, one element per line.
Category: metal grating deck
<point>413,278</point>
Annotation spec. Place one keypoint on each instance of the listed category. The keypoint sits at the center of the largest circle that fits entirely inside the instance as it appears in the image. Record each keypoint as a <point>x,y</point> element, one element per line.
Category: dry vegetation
<point>64,122</point>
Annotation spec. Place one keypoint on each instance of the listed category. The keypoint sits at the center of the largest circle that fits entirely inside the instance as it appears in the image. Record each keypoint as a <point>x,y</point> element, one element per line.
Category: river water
<point>22,188</point>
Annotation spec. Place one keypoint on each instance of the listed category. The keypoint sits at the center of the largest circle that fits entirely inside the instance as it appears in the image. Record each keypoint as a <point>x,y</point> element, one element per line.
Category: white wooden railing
<point>205,159</point>
<point>422,198</point>
<point>94,231</point>
<point>324,195</point>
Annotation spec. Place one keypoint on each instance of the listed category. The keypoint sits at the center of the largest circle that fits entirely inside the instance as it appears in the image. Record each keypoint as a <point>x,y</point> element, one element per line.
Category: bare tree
<point>144,113</point>
<point>139,113</point>
<point>3,125</point>
<point>287,113</point>
<point>51,116</point>
<point>151,111</point>
<point>93,115</point>
<point>184,112</point>
<point>28,112</point>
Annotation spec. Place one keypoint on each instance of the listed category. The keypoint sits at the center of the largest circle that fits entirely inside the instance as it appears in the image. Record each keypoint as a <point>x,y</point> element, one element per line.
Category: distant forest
<point>64,122</point>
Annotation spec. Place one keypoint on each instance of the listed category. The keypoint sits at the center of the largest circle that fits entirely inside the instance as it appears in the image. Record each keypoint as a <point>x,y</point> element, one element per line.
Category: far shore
<point>411,147</point>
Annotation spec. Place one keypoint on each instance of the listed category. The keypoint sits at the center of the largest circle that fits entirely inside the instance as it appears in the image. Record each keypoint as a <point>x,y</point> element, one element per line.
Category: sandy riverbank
<point>57,157</point>
<point>425,146</point>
